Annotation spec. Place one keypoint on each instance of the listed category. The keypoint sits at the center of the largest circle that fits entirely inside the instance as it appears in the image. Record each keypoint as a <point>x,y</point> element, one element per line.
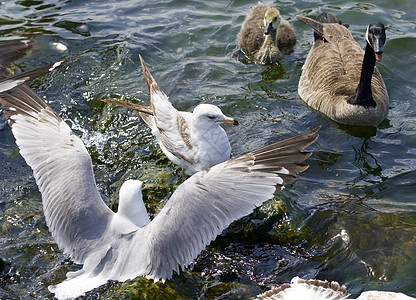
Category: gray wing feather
<point>169,122</point>
<point>213,199</point>
<point>74,211</point>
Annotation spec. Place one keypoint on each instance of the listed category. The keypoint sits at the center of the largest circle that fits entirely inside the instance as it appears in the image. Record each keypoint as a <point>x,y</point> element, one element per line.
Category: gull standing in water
<point>195,141</point>
<point>126,244</point>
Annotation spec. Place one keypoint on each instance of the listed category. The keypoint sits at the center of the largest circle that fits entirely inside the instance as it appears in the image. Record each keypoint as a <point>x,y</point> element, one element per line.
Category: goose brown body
<point>262,47</point>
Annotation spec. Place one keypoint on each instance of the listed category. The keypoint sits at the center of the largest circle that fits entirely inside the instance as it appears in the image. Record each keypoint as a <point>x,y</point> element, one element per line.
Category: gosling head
<point>271,20</point>
<point>376,37</point>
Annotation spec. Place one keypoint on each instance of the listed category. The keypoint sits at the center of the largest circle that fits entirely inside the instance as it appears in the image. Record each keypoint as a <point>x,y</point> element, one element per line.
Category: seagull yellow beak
<point>229,120</point>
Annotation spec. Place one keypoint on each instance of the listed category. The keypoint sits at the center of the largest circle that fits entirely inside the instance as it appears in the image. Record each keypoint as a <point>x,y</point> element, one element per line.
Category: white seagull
<point>195,141</point>
<point>315,289</point>
<point>126,244</point>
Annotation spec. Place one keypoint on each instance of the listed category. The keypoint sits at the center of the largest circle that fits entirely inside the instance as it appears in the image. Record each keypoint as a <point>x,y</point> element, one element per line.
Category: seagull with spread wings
<point>193,140</point>
<point>126,244</point>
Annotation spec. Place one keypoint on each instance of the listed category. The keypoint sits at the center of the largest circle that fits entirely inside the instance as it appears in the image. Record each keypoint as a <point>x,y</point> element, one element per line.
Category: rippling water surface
<point>351,217</point>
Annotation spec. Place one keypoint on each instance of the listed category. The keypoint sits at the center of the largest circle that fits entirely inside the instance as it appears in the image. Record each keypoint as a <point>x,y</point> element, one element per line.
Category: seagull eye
<point>211,117</point>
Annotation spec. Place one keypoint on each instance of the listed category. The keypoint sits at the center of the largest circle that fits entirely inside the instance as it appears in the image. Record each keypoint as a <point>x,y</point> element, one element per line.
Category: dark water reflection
<point>350,217</point>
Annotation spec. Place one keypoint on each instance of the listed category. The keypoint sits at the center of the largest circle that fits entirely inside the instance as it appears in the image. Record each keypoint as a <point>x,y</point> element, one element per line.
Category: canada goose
<point>340,80</point>
<point>193,140</point>
<point>123,245</point>
<point>265,36</point>
<point>323,290</point>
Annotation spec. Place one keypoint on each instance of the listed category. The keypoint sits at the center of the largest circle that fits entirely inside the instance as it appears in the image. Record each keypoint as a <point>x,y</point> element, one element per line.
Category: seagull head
<point>210,115</point>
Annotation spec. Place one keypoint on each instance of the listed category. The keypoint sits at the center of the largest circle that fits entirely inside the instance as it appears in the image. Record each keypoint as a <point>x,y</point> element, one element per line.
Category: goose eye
<point>211,117</point>
<point>275,18</point>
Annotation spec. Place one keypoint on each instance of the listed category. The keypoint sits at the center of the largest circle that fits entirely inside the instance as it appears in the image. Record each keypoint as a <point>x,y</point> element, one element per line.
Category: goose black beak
<point>378,47</point>
<point>376,36</point>
<point>269,28</point>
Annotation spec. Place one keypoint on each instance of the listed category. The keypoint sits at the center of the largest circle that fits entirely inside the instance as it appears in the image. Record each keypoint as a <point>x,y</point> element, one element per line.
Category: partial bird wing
<point>11,51</point>
<point>306,289</point>
<point>338,44</point>
<point>130,105</point>
<point>383,295</point>
<point>171,124</point>
<point>73,208</point>
<point>333,66</point>
<point>168,124</point>
<point>350,54</point>
<point>316,25</point>
<point>9,83</point>
<point>209,201</point>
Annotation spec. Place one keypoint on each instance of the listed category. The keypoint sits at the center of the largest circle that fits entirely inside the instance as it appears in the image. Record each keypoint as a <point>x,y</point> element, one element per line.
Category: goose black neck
<point>363,95</point>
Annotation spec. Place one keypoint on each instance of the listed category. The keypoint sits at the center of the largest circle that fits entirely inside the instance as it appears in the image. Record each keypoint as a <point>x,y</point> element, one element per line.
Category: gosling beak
<point>229,120</point>
<point>268,29</point>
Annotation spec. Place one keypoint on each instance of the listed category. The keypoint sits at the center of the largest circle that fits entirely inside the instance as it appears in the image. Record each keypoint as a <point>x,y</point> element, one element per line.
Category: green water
<point>350,217</point>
